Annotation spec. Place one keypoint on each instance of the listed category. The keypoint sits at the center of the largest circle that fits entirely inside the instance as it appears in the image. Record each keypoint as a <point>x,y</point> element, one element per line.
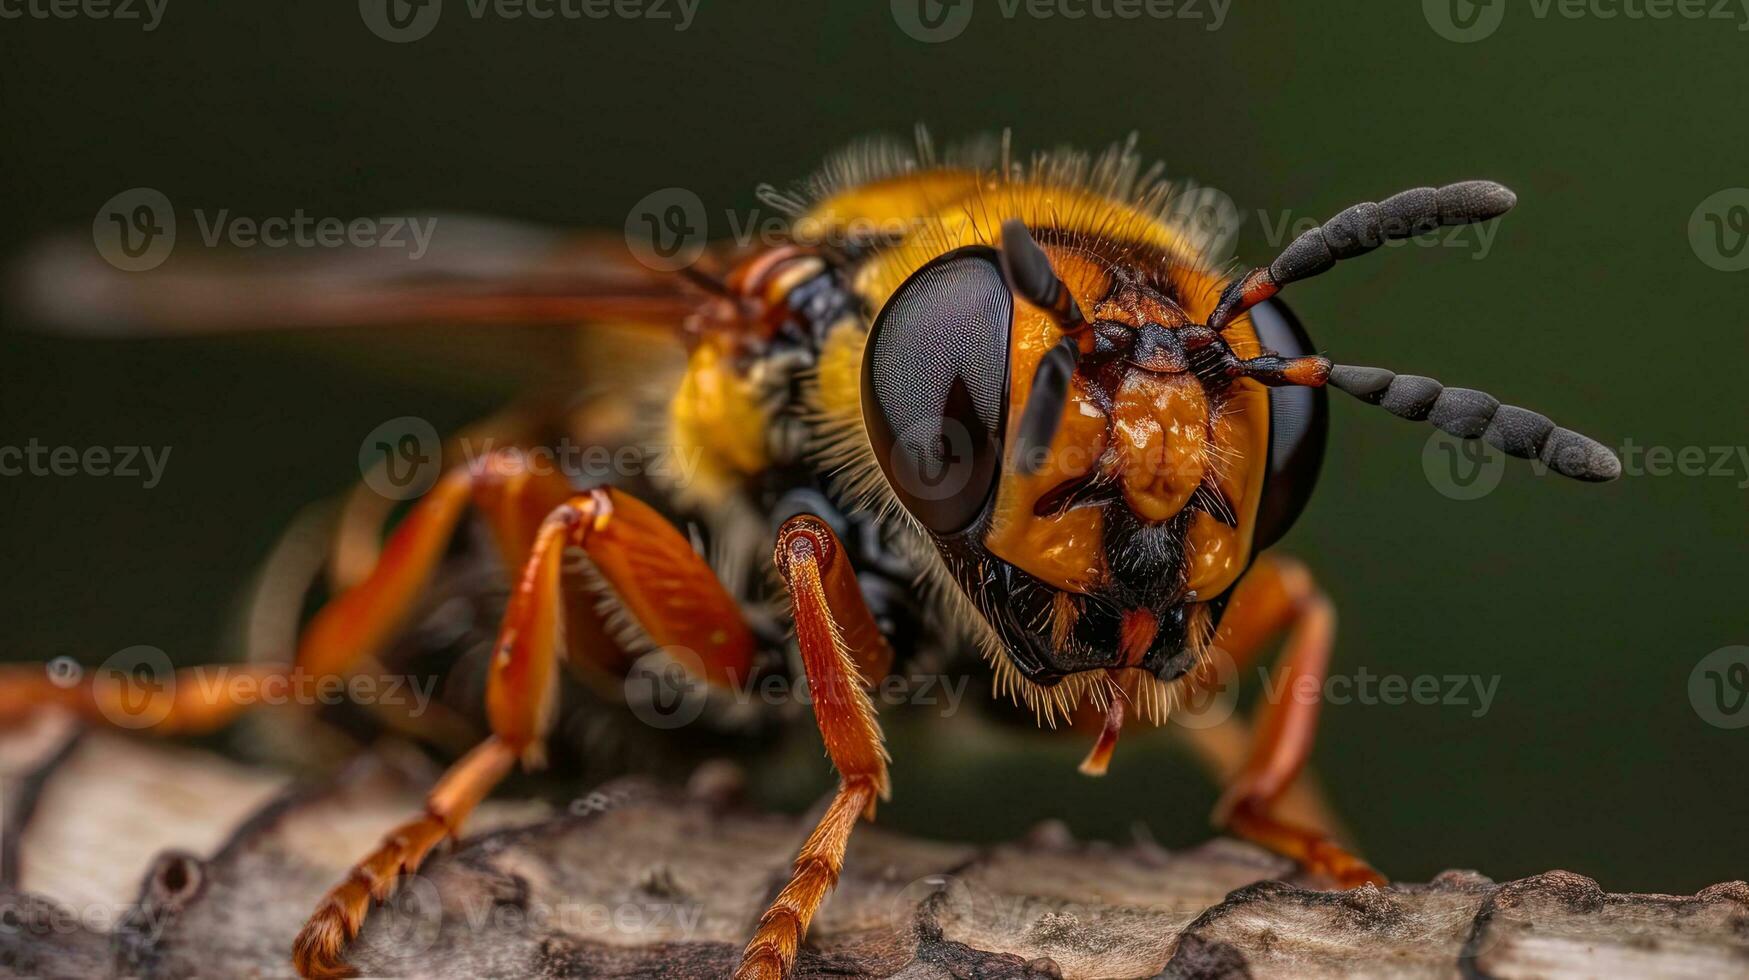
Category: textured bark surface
<point>130,858</point>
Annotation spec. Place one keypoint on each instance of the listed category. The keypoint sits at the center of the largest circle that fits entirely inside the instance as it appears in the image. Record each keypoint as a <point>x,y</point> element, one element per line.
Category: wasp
<point>967,407</point>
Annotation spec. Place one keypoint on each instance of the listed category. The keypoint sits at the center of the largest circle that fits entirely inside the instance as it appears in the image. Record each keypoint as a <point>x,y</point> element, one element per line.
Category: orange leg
<point>665,586</point>
<point>1274,596</point>
<point>841,647</point>
<point>341,637</point>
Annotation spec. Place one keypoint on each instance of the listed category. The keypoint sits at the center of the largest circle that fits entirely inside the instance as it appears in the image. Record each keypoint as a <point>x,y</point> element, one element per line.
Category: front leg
<point>1279,595</point>
<point>843,653</point>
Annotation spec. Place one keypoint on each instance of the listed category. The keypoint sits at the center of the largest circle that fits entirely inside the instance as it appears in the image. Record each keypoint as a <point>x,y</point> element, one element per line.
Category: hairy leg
<point>841,650</point>
<point>665,585</point>
<point>1279,595</point>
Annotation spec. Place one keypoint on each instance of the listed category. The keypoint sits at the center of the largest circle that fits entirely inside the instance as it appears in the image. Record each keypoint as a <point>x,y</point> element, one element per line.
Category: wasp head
<point>1090,480</point>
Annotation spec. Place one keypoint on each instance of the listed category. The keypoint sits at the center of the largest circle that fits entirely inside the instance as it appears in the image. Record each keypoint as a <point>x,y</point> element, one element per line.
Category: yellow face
<point>1146,460</point>
<point>1149,436</point>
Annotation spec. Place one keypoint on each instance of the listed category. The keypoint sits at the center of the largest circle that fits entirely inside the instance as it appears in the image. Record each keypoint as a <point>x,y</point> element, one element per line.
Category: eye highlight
<point>935,387</point>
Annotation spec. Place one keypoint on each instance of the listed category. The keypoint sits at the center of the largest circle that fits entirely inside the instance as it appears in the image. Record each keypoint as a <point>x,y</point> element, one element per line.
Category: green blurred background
<point>1591,604</point>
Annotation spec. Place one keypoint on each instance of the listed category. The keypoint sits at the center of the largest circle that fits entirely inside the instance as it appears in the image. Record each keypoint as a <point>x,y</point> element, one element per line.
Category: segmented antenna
<point>1028,271</point>
<point>1044,405</point>
<point>1360,229</point>
<point>1470,414</point>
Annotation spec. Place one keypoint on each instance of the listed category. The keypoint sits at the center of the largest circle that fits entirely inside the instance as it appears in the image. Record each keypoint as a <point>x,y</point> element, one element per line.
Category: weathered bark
<point>129,858</point>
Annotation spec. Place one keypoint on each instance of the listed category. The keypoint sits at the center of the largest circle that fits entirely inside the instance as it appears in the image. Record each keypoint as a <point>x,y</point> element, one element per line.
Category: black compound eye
<point>935,387</point>
<point>1298,420</point>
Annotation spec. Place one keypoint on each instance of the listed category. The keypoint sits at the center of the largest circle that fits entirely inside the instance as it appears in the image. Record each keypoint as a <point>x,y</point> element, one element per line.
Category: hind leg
<point>664,585</point>
<point>337,642</point>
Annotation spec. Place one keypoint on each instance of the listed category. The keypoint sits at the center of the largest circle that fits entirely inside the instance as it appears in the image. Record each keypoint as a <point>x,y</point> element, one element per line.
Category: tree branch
<point>130,858</point>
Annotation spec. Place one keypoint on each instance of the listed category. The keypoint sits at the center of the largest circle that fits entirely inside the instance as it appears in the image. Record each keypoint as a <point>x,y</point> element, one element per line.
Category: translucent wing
<point>472,271</point>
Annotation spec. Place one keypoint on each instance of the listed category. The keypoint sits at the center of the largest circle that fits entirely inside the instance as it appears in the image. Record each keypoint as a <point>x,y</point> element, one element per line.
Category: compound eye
<point>935,387</point>
<point>1298,420</point>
